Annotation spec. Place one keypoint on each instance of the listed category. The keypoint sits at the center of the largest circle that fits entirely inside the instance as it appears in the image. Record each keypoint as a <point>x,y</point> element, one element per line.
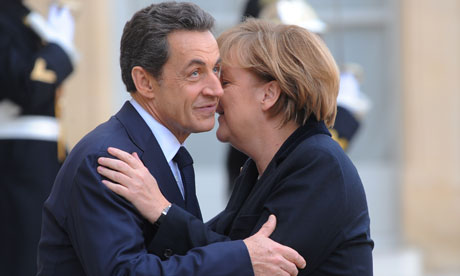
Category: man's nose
<point>213,87</point>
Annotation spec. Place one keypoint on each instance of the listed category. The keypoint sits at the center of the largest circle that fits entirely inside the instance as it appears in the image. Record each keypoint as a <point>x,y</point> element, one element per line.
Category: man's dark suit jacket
<point>317,196</point>
<point>89,230</point>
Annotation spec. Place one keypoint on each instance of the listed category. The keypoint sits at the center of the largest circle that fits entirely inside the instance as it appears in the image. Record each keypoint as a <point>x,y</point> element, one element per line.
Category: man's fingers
<point>270,256</point>
<point>288,267</point>
<point>300,262</point>
<point>289,260</point>
<point>269,226</point>
<point>292,256</point>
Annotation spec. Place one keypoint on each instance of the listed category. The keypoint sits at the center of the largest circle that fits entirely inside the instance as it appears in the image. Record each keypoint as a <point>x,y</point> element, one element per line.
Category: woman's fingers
<point>115,176</point>
<point>135,183</point>
<point>136,156</point>
<point>116,165</point>
<point>126,157</point>
<point>116,188</point>
<point>128,164</point>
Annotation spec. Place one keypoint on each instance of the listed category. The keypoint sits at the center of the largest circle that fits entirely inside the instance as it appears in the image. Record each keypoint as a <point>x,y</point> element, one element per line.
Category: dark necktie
<point>185,163</point>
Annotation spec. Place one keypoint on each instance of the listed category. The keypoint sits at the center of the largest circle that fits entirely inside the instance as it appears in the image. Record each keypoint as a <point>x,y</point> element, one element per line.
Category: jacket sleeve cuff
<point>57,60</point>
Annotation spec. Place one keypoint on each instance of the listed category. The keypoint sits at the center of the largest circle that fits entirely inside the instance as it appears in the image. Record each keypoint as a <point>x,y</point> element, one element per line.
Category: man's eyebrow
<point>200,62</point>
<point>219,61</point>
<point>195,62</point>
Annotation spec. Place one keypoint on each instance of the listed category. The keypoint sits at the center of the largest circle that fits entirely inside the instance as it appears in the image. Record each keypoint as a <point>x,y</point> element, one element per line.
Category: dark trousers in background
<point>27,172</point>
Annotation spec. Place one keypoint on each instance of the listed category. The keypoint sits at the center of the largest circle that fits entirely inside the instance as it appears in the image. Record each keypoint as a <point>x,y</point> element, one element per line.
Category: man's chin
<point>205,127</point>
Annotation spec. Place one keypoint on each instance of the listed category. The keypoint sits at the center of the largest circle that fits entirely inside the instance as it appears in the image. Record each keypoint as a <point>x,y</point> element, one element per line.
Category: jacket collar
<point>152,156</point>
<point>247,184</point>
<point>311,127</point>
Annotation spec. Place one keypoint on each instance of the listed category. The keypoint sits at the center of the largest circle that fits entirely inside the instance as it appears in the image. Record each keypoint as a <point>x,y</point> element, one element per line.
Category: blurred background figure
<point>36,56</point>
<point>352,104</point>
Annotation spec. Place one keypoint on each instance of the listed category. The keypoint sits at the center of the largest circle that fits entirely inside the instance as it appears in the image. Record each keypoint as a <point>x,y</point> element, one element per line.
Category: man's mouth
<point>208,107</point>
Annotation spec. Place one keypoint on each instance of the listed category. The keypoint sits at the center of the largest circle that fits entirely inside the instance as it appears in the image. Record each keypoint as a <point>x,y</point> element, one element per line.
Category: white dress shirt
<point>167,141</point>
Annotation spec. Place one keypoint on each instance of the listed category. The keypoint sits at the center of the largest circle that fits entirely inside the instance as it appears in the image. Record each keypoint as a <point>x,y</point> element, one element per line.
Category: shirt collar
<point>167,141</point>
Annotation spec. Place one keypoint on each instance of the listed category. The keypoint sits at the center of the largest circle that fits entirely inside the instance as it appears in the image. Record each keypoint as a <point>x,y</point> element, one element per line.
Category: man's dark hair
<point>144,41</point>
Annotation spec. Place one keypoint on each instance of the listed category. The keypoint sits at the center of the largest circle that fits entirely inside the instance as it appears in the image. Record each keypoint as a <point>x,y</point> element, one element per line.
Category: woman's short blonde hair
<point>297,59</point>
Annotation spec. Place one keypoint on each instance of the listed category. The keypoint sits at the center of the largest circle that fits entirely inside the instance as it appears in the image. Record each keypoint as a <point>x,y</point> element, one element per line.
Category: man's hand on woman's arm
<point>269,257</point>
<point>132,180</point>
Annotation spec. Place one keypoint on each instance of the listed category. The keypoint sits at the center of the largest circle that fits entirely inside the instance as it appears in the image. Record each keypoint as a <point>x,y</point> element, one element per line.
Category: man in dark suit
<point>170,65</point>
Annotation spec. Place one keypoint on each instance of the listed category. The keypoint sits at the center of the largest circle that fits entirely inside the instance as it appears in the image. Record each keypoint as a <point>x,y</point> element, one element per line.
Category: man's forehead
<point>191,45</point>
<point>201,62</point>
<point>190,36</point>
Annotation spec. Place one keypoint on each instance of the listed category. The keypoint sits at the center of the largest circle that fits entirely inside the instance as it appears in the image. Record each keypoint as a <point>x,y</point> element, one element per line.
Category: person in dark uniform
<point>35,58</point>
<point>352,104</point>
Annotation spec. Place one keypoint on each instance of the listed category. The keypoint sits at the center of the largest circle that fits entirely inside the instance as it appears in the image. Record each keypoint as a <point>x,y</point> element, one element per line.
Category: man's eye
<point>195,74</point>
<point>216,70</point>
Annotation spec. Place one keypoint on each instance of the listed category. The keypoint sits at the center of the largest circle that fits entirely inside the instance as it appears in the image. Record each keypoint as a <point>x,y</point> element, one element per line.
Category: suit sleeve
<point>108,237</point>
<point>181,226</point>
<point>33,79</point>
<point>180,231</point>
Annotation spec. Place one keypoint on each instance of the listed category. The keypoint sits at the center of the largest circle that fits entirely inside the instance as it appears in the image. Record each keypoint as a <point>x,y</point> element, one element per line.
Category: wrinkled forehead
<point>190,46</point>
<point>184,41</point>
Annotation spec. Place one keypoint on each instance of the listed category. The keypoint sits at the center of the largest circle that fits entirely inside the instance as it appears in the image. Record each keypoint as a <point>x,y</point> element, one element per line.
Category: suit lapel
<point>243,186</point>
<point>152,157</point>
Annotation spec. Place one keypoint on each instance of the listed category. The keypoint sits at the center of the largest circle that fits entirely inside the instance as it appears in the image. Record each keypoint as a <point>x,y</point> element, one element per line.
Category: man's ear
<point>272,92</point>
<point>144,82</point>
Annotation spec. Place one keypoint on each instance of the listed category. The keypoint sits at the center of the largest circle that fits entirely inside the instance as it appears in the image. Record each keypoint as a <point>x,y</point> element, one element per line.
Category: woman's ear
<point>272,92</point>
<point>143,81</point>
